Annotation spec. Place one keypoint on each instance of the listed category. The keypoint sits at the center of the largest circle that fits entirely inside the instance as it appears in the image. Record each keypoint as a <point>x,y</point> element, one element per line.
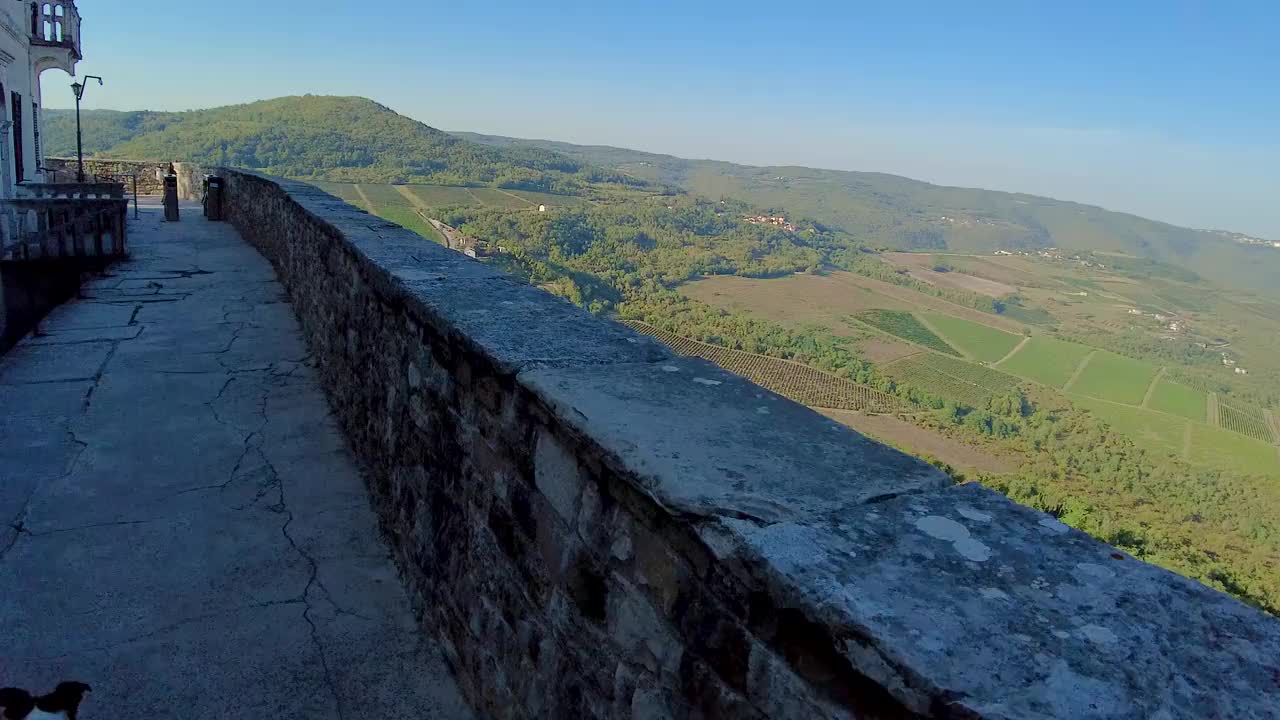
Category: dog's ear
<point>16,703</point>
<point>66,698</point>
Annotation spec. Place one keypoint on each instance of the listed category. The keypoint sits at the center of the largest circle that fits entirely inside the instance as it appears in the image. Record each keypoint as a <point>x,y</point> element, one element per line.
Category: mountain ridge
<point>352,139</point>
<point>904,213</point>
<point>337,138</point>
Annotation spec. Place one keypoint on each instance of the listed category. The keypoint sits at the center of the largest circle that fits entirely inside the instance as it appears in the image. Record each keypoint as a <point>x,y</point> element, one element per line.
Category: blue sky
<point>1163,109</point>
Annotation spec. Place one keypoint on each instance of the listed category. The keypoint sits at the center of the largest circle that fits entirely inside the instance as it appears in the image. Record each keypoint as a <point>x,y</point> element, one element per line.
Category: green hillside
<point>901,213</point>
<point>334,138</point>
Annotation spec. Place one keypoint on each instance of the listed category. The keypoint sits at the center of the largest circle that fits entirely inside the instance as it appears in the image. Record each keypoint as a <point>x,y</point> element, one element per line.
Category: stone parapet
<point>596,528</point>
<point>148,173</point>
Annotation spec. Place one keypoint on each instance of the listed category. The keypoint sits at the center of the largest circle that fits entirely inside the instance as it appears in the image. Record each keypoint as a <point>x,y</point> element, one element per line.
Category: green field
<point>390,204</point>
<point>1047,361</point>
<point>1170,397</point>
<point>952,378</point>
<point>447,195</point>
<point>551,200</point>
<point>1115,378</point>
<point>503,199</point>
<point>1214,446</point>
<point>981,342</point>
<point>345,191</point>
<point>906,326</point>
<point>1156,431</point>
<point>441,195</point>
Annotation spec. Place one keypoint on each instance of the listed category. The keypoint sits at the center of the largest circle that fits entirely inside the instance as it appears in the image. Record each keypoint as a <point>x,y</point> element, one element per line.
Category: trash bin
<point>171,198</point>
<point>213,194</point>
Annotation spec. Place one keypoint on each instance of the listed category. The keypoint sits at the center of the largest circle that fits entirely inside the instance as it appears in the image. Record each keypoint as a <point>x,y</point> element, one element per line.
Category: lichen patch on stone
<point>1054,526</point>
<point>1098,634</point>
<point>975,515</point>
<point>943,528</point>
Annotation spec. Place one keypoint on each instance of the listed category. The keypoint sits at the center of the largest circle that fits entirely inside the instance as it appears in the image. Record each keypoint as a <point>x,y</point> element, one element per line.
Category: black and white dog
<point>61,704</point>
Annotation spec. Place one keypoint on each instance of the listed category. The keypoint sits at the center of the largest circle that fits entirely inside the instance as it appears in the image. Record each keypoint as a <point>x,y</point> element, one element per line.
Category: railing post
<point>98,225</point>
<point>118,241</point>
<point>171,198</point>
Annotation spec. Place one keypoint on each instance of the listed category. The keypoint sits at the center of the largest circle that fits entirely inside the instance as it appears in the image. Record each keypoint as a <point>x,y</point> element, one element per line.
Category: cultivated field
<point>1116,378</point>
<point>955,379</point>
<point>1216,447</point>
<point>441,195</point>
<point>432,196</point>
<point>920,267</point>
<point>551,200</point>
<point>1175,399</point>
<point>879,349</point>
<point>825,298</point>
<point>1047,360</point>
<point>387,202</point>
<point>981,342</point>
<point>345,191</point>
<point>1245,420</point>
<point>797,382</point>
<point>924,442</point>
<point>905,325</point>
<point>793,300</point>
<point>1156,431</point>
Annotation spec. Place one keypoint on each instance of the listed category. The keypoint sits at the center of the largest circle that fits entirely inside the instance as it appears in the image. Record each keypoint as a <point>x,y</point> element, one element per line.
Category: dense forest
<point>335,138</point>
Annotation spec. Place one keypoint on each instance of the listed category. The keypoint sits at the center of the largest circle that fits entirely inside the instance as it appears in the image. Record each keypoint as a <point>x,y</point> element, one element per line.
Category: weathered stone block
<point>558,476</point>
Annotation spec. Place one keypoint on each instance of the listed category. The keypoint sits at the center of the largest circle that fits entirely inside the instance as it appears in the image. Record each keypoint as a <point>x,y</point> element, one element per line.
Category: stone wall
<point>30,289</point>
<point>596,528</point>
<point>64,169</point>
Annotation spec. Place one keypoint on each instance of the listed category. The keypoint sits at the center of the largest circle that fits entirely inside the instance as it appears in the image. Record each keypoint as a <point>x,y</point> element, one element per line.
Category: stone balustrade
<point>63,190</point>
<point>61,227</point>
<point>596,528</point>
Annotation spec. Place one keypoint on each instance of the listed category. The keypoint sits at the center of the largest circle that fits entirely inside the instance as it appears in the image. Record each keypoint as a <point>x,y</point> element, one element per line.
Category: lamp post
<point>78,89</point>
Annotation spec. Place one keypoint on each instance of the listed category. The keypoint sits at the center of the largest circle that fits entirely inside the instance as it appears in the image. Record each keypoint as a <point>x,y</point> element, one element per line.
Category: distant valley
<point>900,213</point>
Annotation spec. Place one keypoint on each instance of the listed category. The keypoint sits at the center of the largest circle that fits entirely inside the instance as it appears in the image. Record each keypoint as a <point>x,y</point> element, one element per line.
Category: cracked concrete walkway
<point>183,528</point>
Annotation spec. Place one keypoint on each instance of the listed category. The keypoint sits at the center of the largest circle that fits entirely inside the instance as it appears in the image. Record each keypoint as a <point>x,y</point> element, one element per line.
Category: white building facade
<point>34,36</point>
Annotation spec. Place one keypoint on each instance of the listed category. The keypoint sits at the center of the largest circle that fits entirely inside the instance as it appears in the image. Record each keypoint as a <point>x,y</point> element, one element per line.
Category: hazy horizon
<point>1146,109</point>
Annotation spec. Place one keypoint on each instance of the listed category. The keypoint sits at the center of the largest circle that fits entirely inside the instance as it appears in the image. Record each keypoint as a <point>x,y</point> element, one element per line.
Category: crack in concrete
<point>90,341</point>
<point>136,301</point>
<point>169,627</point>
<point>18,523</point>
<point>313,580</point>
<point>47,382</point>
<point>97,377</point>
<point>90,526</point>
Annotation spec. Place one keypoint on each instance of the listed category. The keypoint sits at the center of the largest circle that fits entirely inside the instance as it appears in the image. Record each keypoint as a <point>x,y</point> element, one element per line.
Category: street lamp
<point>78,89</point>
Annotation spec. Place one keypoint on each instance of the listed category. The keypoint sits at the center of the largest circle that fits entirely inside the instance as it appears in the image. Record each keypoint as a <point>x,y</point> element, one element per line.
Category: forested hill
<point>901,213</point>
<point>336,138</point>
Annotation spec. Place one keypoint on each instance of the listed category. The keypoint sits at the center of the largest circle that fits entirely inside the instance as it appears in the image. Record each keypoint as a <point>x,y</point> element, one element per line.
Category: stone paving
<point>181,526</point>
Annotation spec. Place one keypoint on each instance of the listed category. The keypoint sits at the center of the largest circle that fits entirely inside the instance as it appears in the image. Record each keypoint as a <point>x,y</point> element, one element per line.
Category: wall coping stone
<point>954,600</point>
